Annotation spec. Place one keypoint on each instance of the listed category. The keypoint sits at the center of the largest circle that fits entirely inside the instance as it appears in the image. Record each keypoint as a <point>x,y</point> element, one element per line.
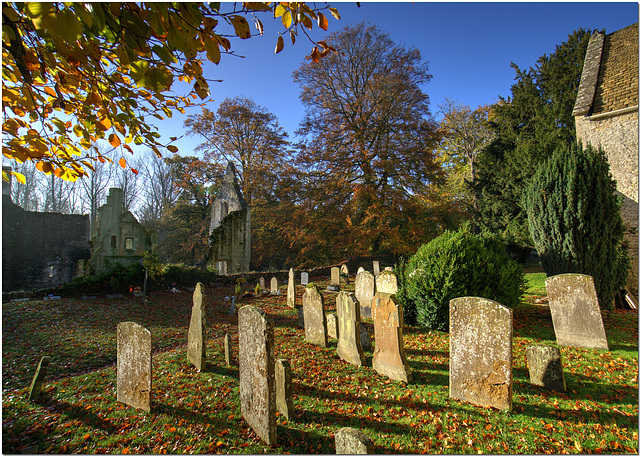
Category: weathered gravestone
<point>196,344</point>
<point>376,268</point>
<point>227,349</point>
<point>387,282</point>
<point>263,284</point>
<point>257,372</point>
<point>545,367</point>
<point>388,320</point>
<point>365,291</point>
<point>315,321</point>
<point>480,342</point>
<point>291,290</point>
<point>134,365</point>
<point>284,399</point>
<point>301,317</point>
<point>352,441</point>
<point>304,278</point>
<point>366,329</point>
<point>344,272</point>
<point>334,285</point>
<point>232,308</point>
<point>274,285</point>
<point>360,269</point>
<point>349,346</point>
<point>333,326</point>
<point>575,312</point>
<point>38,378</point>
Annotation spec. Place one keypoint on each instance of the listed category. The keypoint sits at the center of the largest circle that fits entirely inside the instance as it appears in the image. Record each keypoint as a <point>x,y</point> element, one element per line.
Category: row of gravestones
<point>481,333</point>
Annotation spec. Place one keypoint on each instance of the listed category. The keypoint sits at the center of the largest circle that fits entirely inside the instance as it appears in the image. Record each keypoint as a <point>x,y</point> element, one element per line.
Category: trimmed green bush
<point>454,265</point>
<point>574,219</point>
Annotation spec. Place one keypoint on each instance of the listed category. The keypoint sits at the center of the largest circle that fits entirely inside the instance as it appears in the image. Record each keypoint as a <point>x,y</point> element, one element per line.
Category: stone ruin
<point>230,228</point>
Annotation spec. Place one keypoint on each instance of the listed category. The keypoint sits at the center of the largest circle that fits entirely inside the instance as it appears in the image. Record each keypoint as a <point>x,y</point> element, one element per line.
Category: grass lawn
<point>200,412</point>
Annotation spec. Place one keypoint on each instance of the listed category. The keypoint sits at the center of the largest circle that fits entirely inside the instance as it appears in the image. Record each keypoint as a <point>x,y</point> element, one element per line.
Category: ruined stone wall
<point>231,242</point>
<point>41,249</point>
<point>618,136</point>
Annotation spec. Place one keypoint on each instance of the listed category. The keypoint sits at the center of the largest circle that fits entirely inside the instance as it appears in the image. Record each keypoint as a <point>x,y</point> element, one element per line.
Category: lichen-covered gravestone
<point>291,290</point>
<point>274,285</point>
<point>349,346</point>
<point>284,399</point>
<point>388,320</point>
<point>315,321</point>
<point>134,365</point>
<point>333,329</point>
<point>257,372</point>
<point>352,441</point>
<point>387,282</point>
<point>304,278</point>
<point>365,291</point>
<point>38,378</point>
<point>196,344</point>
<point>575,312</point>
<point>545,367</point>
<point>480,342</point>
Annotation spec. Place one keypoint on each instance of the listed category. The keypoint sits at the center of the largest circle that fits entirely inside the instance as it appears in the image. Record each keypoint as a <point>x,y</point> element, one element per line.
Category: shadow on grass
<point>74,412</point>
<point>226,371</point>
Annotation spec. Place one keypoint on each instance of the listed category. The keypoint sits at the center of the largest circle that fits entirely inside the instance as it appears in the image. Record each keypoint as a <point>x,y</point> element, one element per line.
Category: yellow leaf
<point>287,20</point>
<point>104,124</point>
<point>123,163</point>
<point>20,177</point>
<point>280,10</point>
<point>241,27</point>
<point>114,140</point>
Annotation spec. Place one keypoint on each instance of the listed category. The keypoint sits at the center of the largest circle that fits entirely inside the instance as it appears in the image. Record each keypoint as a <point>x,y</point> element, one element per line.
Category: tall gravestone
<point>274,285</point>
<point>291,290</point>
<point>227,349</point>
<point>284,399</point>
<point>349,346</point>
<point>134,365</point>
<point>257,372</point>
<point>315,321</point>
<point>376,268</point>
<point>480,355</point>
<point>388,320</point>
<point>196,344</point>
<point>365,291</point>
<point>38,378</point>
<point>575,312</point>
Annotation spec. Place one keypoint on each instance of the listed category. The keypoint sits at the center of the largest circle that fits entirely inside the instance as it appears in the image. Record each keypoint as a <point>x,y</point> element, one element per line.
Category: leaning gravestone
<point>349,346</point>
<point>284,399</point>
<point>315,321</point>
<point>388,320</point>
<point>365,291</point>
<point>480,357</point>
<point>304,278</point>
<point>36,384</point>
<point>196,344</point>
<point>376,268</point>
<point>134,365</point>
<point>291,290</point>
<point>274,285</point>
<point>257,372</point>
<point>352,441</point>
<point>333,325</point>
<point>575,312</point>
<point>545,367</point>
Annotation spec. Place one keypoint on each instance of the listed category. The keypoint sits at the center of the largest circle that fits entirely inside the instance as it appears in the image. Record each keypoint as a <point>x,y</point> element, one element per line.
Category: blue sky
<point>469,48</point>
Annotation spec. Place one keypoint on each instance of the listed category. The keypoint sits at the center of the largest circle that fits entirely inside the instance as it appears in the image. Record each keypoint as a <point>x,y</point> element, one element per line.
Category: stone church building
<point>606,114</point>
<point>230,229</point>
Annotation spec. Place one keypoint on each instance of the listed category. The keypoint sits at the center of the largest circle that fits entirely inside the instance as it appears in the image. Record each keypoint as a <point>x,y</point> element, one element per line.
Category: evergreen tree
<point>574,219</point>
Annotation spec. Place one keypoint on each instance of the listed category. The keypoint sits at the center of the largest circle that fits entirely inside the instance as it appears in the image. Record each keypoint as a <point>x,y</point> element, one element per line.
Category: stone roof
<point>609,79</point>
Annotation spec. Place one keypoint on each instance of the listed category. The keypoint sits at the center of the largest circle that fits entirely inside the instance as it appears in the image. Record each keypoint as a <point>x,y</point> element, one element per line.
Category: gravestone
<point>263,284</point>
<point>315,321</point>
<point>196,343</point>
<point>365,291</point>
<point>480,355</point>
<point>227,349</point>
<point>545,367</point>
<point>301,317</point>
<point>388,320</point>
<point>257,372</point>
<point>352,441</point>
<point>333,326</point>
<point>360,269</point>
<point>349,345</point>
<point>334,284</point>
<point>38,378</point>
<point>344,272</point>
<point>376,268</point>
<point>575,312</point>
<point>366,329</point>
<point>134,365</point>
<point>284,399</point>
<point>387,282</point>
<point>388,268</point>
<point>274,285</point>
<point>232,308</point>
<point>291,290</point>
<point>304,278</point>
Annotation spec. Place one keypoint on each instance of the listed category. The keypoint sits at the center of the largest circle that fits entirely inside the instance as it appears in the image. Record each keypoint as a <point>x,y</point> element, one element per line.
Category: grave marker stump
<point>38,378</point>
<point>284,399</point>
<point>352,441</point>
<point>545,367</point>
